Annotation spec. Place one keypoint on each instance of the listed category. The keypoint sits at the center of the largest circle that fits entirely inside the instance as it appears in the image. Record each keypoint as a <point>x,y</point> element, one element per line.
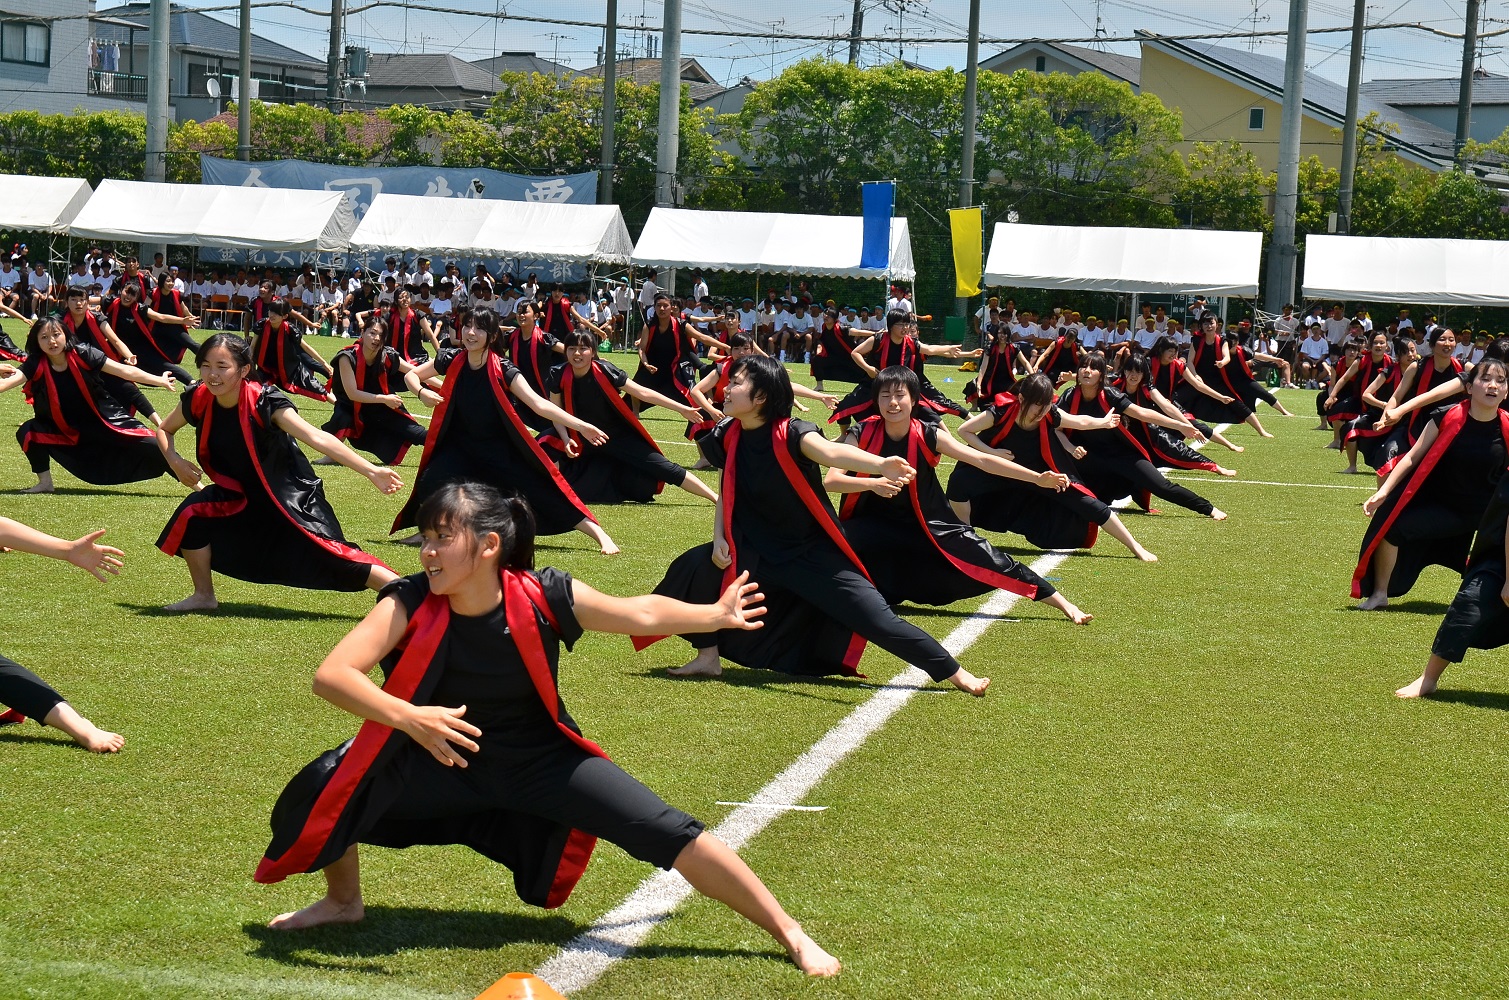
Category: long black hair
<point>893,376</point>
<point>1035,390</point>
<point>487,321</point>
<point>480,509</point>
<point>240,350</point>
<point>1481,368</point>
<point>1136,361</point>
<point>33,336</point>
<point>767,377</point>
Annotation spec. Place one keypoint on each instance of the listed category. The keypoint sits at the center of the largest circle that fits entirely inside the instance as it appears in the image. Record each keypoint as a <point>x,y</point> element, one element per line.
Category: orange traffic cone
<point>520,986</point>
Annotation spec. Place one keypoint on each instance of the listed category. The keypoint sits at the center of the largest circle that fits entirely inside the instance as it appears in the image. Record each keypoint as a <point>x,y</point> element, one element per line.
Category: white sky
<point>1395,53</point>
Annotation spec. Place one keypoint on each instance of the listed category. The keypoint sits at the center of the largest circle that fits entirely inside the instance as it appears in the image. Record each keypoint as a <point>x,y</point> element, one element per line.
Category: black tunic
<point>1478,617</point>
<point>1116,463</point>
<point>159,347</point>
<point>281,361</point>
<point>1203,406</point>
<point>833,360</point>
<point>673,352</point>
<point>372,427</point>
<point>406,336</point>
<point>534,357</point>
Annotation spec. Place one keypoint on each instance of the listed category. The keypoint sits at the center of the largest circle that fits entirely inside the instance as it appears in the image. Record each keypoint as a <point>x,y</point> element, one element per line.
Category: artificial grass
<point>1209,791</point>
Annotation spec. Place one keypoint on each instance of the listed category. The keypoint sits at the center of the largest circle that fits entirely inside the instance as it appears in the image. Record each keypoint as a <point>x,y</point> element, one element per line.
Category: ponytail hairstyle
<point>240,350</point>
<point>1035,390</point>
<point>1482,367</point>
<point>479,510</point>
<point>893,376</point>
<point>769,379</point>
<point>581,338</point>
<point>34,335</point>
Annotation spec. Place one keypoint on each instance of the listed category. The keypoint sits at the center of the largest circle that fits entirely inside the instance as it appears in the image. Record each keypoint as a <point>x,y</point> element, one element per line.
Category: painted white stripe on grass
<point>775,805</point>
<point>584,959</point>
<point>1264,482</point>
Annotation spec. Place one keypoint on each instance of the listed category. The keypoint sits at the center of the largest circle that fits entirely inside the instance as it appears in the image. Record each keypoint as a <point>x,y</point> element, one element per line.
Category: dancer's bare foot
<point>1264,434</point>
<point>38,488</point>
<point>194,602</point>
<point>1217,514</point>
<point>1143,554</point>
<point>809,956</point>
<point>1334,446</point>
<point>609,547</point>
<point>416,539</point>
<point>1350,470</point>
<point>705,664</point>
<point>1077,616</point>
<point>1374,603</point>
<point>324,460</point>
<point>966,681</point>
<point>323,911</point>
<point>1417,688</point>
<point>1221,470</point>
<point>1238,448</point>
<point>96,740</point>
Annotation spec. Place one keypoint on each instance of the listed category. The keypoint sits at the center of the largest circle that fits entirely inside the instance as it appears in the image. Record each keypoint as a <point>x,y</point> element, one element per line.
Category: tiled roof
<point>522,62</point>
<point>202,33</point>
<point>1486,89</point>
<point>646,72</point>
<point>439,70</point>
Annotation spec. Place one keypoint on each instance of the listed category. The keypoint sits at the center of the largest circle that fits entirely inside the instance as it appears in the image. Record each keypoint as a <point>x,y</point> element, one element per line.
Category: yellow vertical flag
<point>968,229</point>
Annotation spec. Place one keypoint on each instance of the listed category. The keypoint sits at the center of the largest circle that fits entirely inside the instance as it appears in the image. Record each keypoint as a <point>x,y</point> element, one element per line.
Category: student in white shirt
<point>1285,325</point>
<point>900,299</point>
<point>1312,353</point>
<point>749,317</point>
<point>1338,328</point>
<point>1160,321</point>
<point>1092,335</point>
<point>423,278</point>
<point>1404,322</point>
<point>1179,334</point>
<point>1146,337</point>
<point>699,287</point>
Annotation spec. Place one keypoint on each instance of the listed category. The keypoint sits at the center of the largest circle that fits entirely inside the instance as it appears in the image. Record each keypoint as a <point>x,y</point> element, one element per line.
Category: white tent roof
<point>466,227</point>
<point>1389,269</point>
<point>41,204</point>
<point>826,246</point>
<point>1095,259</point>
<point>215,215</point>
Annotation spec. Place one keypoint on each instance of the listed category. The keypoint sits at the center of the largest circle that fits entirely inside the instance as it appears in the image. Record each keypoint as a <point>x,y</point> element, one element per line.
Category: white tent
<point>473,227</point>
<point>1389,269</point>
<point>214,215</point>
<point>41,204</point>
<point>1096,259</point>
<point>823,246</point>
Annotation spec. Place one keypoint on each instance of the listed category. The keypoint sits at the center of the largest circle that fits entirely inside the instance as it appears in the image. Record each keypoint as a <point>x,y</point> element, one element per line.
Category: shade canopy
<point>823,246</point>
<point>214,215</point>
<point>1104,259</point>
<point>41,204</point>
<point>474,227</point>
<point>1390,269</point>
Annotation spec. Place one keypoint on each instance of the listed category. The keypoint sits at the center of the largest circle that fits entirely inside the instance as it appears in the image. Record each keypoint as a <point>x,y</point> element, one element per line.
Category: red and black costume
<point>999,364</point>
<point>535,796</point>
<point>781,528</point>
<point>1370,442</point>
<point>1169,379</point>
<point>1046,518</point>
<point>1060,357</point>
<point>8,349</point>
<point>555,317</point>
<point>1432,515</point>
<point>264,514</point>
<point>534,356</point>
<point>1240,374</point>
<point>931,405</point>
<point>477,434</point>
<point>1162,445</point>
<point>1427,376</point>
<point>630,467</point>
<point>406,336</point>
<point>1117,464</point>
<point>1349,405</point>
<point>833,357</point>
<point>159,347</point>
<point>1205,355</point>
<point>372,427</point>
<point>1478,618</point>
<point>89,331</point>
<point>673,352</point>
<point>81,425</point>
<point>914,547</point>
<point>279,359</point>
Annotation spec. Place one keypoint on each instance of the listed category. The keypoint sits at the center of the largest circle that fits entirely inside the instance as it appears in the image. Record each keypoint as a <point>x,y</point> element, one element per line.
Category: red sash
<point>525,352</point>
<point>1013,407</point>
<point>1200,346</point>
<point>1074,396</point>
<point>92,325</point>
<point>67,434</point>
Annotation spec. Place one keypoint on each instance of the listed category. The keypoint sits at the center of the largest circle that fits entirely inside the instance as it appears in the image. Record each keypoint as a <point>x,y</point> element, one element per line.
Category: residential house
<point>436,80</point>
<point>1435,100</point>
<point>523,62</point>
<point>1055,57</point>
<point>45,60</point>
<point>699,81</point>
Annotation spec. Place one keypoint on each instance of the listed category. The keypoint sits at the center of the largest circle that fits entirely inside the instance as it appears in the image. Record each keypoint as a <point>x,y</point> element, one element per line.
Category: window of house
<point>1042,63</point>
<point>24,42</point>
<point>1255,119</point>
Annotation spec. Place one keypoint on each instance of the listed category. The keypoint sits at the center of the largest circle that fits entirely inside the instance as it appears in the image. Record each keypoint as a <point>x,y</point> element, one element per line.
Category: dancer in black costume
<point>534,352</point>
<point>467,741</point>
<point>999,368</point>
<point>158,340</point>
<point>1378,376</point>
<point>1168,374</point>
<point>668,353</point>
<point>85,326</point>
<point>285,361</point>
<point>1419,377</point>
<point>774,520</point>
<point>1210,356</point>
<point>23,694</point>
<point>906,535</point>
<point>833,357</point>
<point>1166,448</point>
<point>264,517</point>
<point>77,420</point>
<point>369,414</point>
<point>899,346</point>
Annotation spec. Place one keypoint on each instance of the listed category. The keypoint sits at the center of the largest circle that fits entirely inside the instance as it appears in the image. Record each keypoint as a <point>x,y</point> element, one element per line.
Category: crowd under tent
<point>1393,269</point>
<point>282,220</point>
<point>819,246</point>
<point>474,227</point>
<point>42,205</point>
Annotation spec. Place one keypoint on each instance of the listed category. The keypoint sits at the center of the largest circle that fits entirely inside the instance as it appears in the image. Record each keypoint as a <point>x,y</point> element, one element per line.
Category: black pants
<point>1477,618</point>
<point>128,394</point>
<point>1145,476</point>
<point>25,692</point>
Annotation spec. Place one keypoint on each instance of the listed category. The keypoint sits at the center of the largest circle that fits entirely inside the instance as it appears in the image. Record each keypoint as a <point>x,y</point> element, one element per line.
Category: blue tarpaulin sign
<point>879,200</point>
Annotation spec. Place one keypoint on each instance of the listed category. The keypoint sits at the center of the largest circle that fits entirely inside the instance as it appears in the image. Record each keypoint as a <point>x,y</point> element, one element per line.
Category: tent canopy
<point>824,246</point>
<point>1088,258</point>
<point>41,204</point>
<point>473,227</point>
<point>214,215</point>
<point>1391,269</point>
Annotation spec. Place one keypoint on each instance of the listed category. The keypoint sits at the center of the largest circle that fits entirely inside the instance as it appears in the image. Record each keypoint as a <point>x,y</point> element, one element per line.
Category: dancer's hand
<point>897,468</point>
<point>736,607</point>
<point>1223,400</point>
<point>1389,418</point>
<point>829,400</point>
<point>1078,452</point>
<point>649,367</point>
<point>128,358</point>
<point>691,413</point>
<point>391,401</point>
<point>168,383</point>
<point>436,728</point>
<point>186,472</point>
<point>1111,421</point>
<point>87,554</point>
<point>1373,502</point>
<point>594,435</point>
<point>572,448</point>
<point>1192,433</point>
<point>885,487</point>
<point>429,397</point>
<point>1055,481</point>
<point>7,370</point>
<point>385,479</point>
<point>722,558</point>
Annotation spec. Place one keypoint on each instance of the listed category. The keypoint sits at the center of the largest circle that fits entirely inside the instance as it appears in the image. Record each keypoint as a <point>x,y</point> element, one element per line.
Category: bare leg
<point>203,597</point>
<point>595,531</point>
<point>1071,612</point>
<point>1221,470</point>
<point>43,484</point>
<point>714,870</point>
<point>416,539</point>
<point>85,733</point>
<point>1118,531</point>
<point>379,577</point>
<point>342,903</point>
<point>1426,683</point>
<point>1384,558</point>
<point>1280,408</point>
<point>961,509</point>
<point>1224,441</point>
<point>1351,450</point>
<point>705,664</point>
<point>1257,425</point>
<point>698,488</point>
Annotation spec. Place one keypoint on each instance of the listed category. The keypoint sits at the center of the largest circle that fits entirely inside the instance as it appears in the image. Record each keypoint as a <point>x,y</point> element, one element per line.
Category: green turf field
<point>1208,792</point>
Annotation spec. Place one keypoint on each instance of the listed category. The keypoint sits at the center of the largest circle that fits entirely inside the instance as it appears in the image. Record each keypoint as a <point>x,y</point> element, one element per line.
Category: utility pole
<point>610,104</point>
<point>1349,130</point>
<point>967,155</point>
<point>155,168</point>
<point>333,61</point>
<point>856,31</point>
<point>668,147</point>
<point>1464,94</point>
<point>1282,252</point>
<point>243,87</point>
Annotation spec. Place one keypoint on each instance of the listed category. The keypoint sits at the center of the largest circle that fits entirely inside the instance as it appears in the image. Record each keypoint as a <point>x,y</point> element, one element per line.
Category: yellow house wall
<point>1215,110</point>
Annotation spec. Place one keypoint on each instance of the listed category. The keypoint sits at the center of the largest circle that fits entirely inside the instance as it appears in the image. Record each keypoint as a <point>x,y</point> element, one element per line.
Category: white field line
<point>1263,482</point>
<point>91,976</point>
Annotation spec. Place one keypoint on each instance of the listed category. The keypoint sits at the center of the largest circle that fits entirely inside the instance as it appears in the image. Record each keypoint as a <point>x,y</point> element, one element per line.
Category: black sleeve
<point>615,374</point>
<point>558,595</point>
<point>1435,413</point>
<point>798,430</point>
<point>92,357</point>
<point>711,444</point>
<point>1465,377</point>
<point>271,402</point>
<point>1118,399</point>
<point>509,371</point>
<point>1053,416</point>
<point>410,591</point>
<point>553,378</point>
<point>444,358</point>
<point>31,364</point>
<point>930,434</point>
<point>186,404</point>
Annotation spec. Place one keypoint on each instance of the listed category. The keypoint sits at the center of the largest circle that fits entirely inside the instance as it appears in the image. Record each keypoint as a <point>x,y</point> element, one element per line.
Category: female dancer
<point>775,520</point>
<point>23,693</point>
<point>1336,407</point>
<point>899,346</point>
<point>833,359</point>
<point>1423,375</point>
<point>534,353</point>
<point>629,466</point>
<point>1060,359</point>
<point>409,332</point>
<point>998,369</point>
<point>1209,358</point>
<point>477,434</point>
<point>1162,447</point>
<point>264,517</point>
<point>1112,461</point>
<point>86,326</point>
<point>1242,377</point>
<point>1168,374</point>
<point>1427,509</point>
<point>1022,428</point>
<point>77,420</point>
<point>158,340</point>
<point>368,412</point>
<point>668,352</point>
<point>284,360</point>
<point>905,534</point>
<point>467,741</point>
<point>1378,376</point>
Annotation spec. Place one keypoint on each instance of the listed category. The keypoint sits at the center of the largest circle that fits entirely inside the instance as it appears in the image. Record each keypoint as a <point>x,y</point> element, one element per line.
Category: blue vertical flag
<point>879,202</point>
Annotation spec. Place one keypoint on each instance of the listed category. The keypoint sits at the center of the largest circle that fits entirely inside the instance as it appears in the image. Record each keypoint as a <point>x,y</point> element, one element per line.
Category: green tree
<point>1224,188</point>
<point>91,145</point>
